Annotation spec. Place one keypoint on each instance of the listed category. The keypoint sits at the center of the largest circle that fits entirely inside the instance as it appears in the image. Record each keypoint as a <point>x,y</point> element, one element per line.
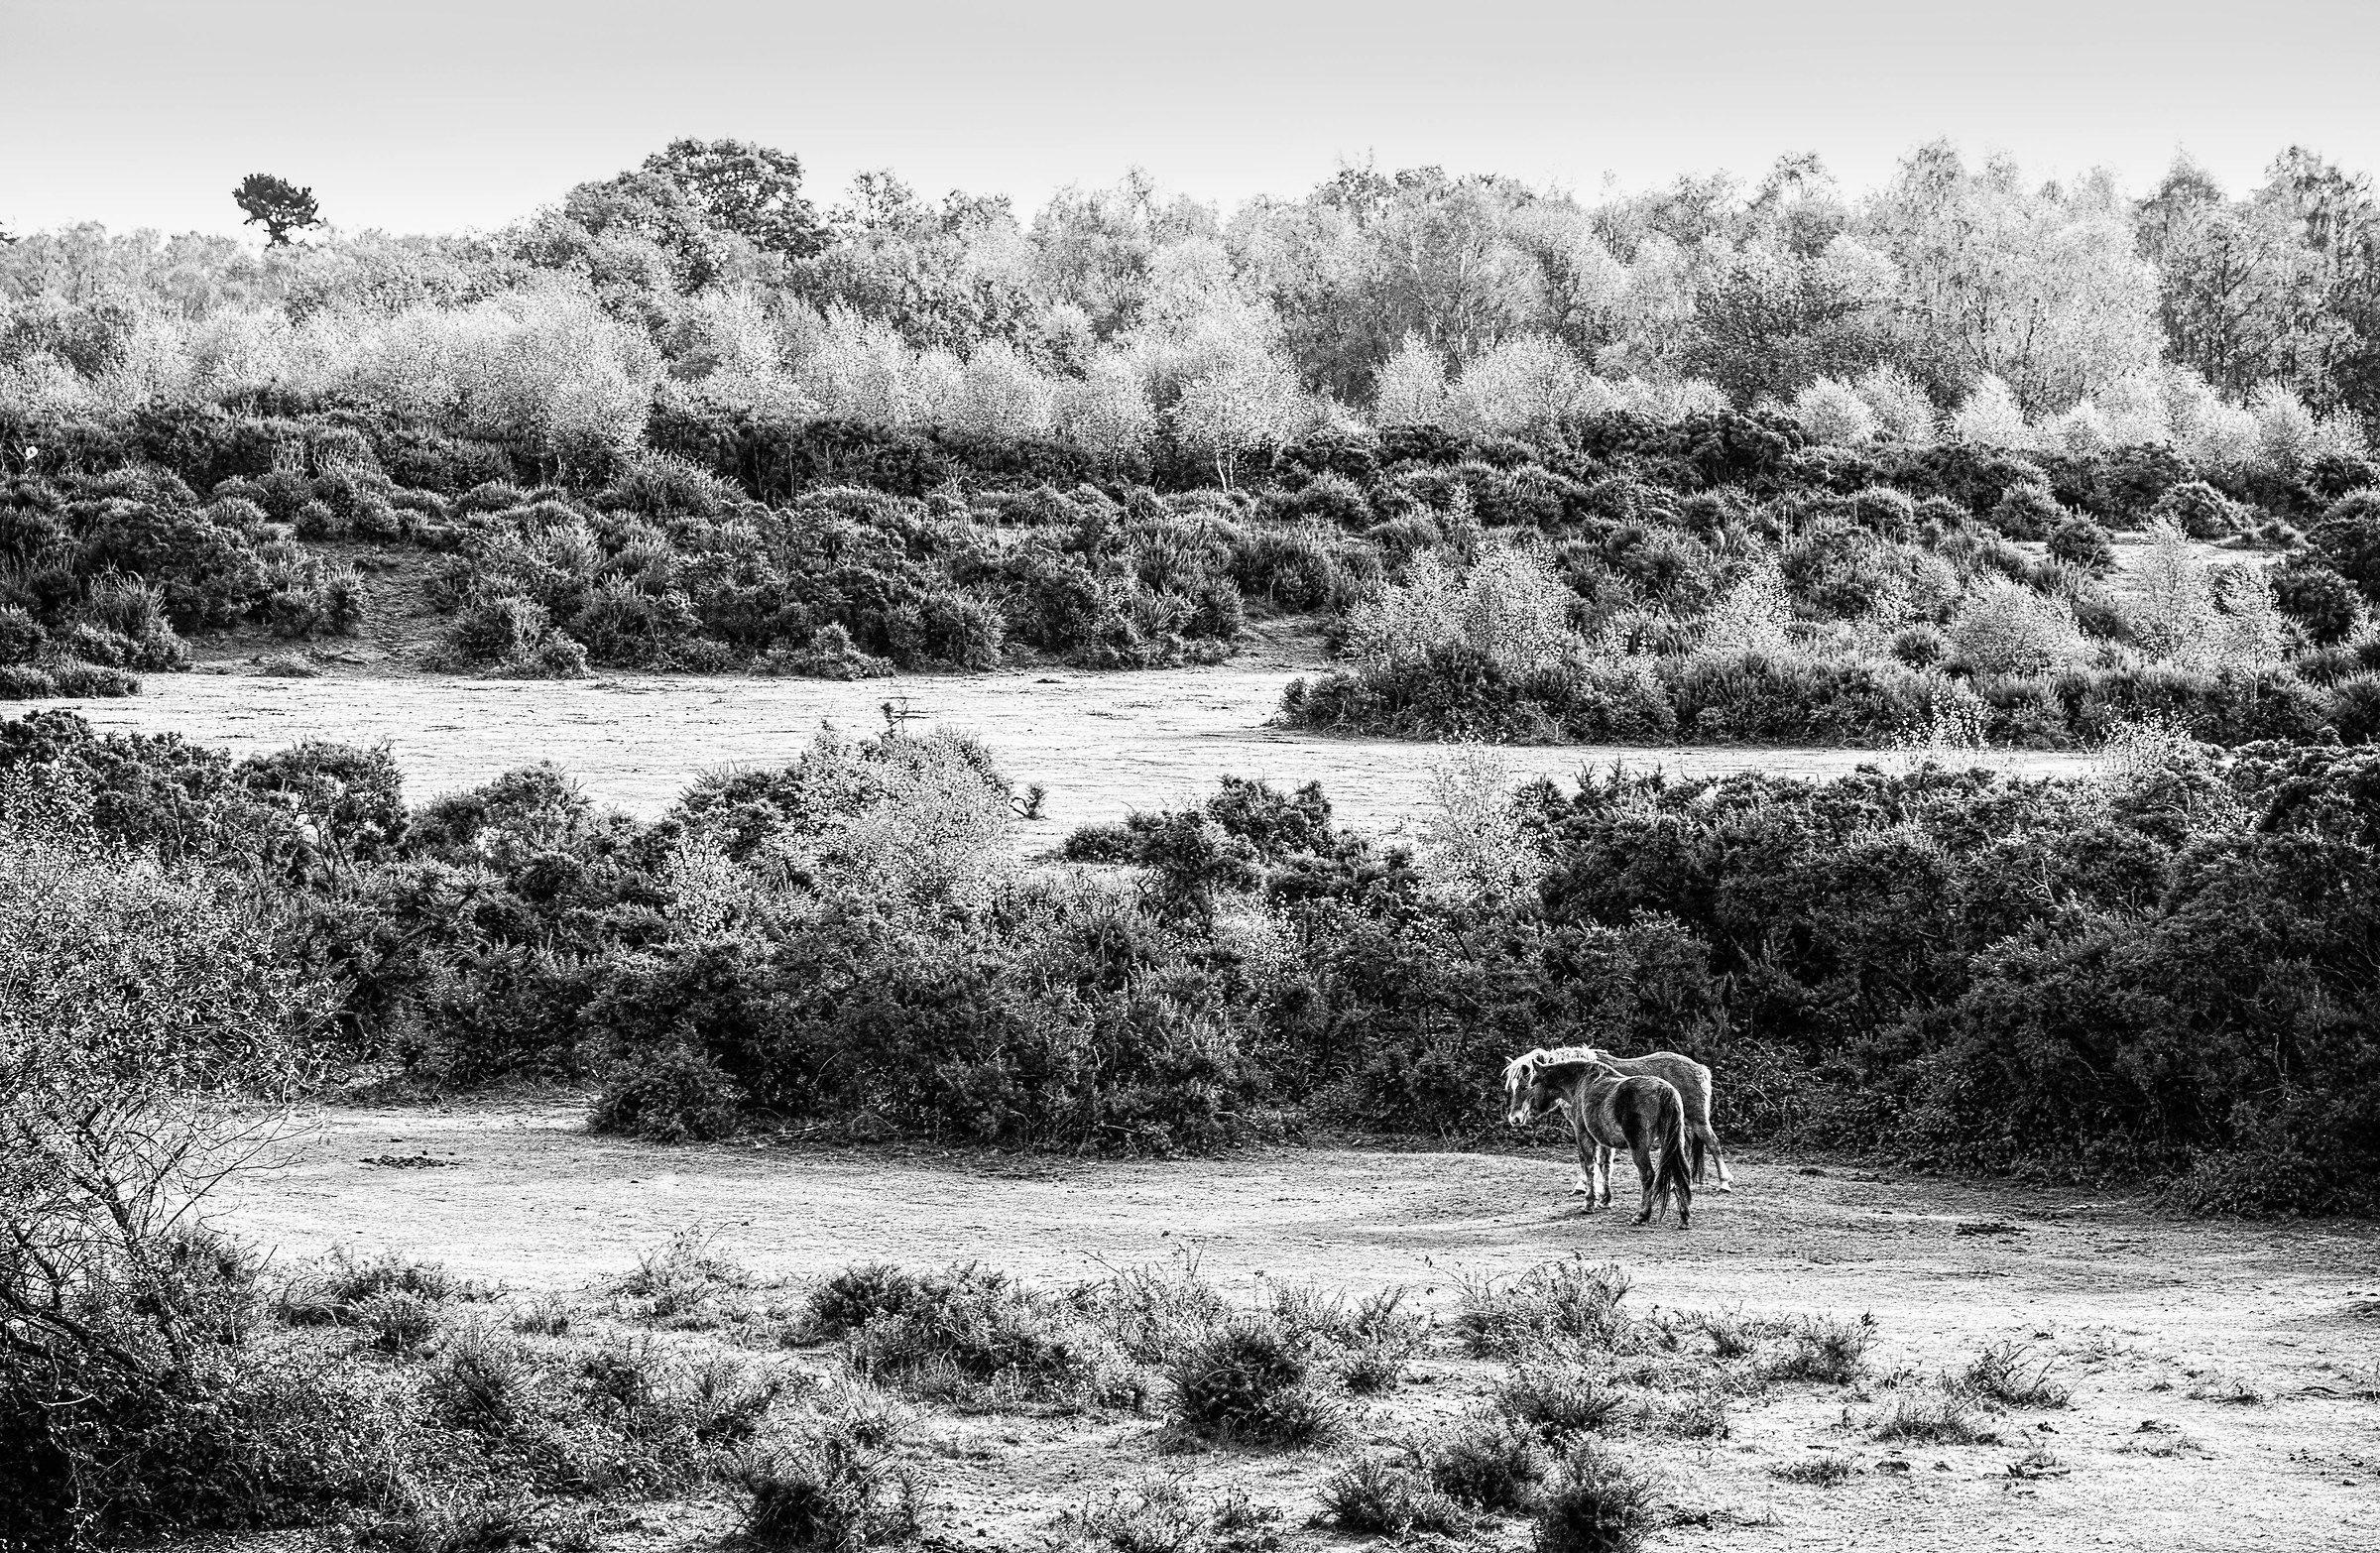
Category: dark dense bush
<point>2201,511</point>
<point>2162,972</point>
<point>2348,538</point>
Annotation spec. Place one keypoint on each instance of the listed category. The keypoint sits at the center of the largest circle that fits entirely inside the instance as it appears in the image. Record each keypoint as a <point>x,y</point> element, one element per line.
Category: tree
<point>750,189</point>
<point>279,204</point>
<point>2042,287</point>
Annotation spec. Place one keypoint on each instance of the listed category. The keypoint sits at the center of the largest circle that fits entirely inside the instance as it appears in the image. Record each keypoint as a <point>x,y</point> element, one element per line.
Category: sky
<point>445,115</point>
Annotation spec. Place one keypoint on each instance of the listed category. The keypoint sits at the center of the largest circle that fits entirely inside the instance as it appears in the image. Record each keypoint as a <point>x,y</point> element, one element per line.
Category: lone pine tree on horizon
<point>279,204</point>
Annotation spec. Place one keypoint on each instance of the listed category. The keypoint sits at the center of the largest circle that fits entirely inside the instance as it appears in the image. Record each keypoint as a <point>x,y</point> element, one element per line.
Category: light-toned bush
<point>2287,434</point>
<point>1410,387</point>
<point>1240,405</point>
<point>1664,399</point>
<point>2255,634</point>
<point>909,825</point>
<point>2080,432</point>
<point>731,348</point>
<point>860,369</point>
<point>1904,414</point>
<point>1834,411</point>
<point>1107,409</point>
<point>2136,409</point>
<point>1509,607</point>
<point>2207,432</point>
<point>1472,845</point>
<point>2172,599</point>
<point>2005,628</point>
<point>1989,417</point>
<point>1001,393</point>
<point>1525,385</point>
<point>1752,615</point>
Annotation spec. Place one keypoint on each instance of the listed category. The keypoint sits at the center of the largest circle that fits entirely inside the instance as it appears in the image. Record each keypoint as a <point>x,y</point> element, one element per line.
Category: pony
<point>1692,1082</point>
<point>1608,1111</point>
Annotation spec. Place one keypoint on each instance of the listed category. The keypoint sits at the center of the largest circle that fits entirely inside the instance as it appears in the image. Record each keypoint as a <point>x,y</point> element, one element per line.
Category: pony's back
<point>1687,1077</point>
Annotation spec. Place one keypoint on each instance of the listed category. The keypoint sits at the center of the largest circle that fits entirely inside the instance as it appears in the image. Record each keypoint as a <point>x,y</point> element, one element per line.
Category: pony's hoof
<point>1727,1186</point>
<point>1642,1218</point>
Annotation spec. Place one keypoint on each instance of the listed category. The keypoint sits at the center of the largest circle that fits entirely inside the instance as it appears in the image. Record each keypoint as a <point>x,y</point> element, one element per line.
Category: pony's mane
<point>1523,1068</point>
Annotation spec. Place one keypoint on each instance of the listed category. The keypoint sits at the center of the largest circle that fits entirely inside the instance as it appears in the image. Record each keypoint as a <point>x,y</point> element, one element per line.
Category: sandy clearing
<point>2135,1304</point>
<point>1103,744</point>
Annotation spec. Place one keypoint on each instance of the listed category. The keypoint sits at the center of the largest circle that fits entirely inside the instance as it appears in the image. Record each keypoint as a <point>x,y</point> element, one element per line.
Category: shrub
<point>2004,629</point>
<point>1246,1381</point>
<point>2199,511</point>
<point>837,1485</point>
<point>684,1283</point>
<point>2028,512</point>
<point>23,682</point>
<point>672,1093</point>
<point>2079,542</point>
<point>1596,1505</point>
<point>1559,1401</point>
<point>2348,539</point>
<point>858,1294</point>
<point>1377,1495</point>
<point>1823,1349</point>
<point>980,1336</point>
<point>1491,1463</point>
<point>1161,1515</point>
<point>336,1289</point>
<point>2356,708</point>
<point>396,1321</point>
<point>2323,603</point>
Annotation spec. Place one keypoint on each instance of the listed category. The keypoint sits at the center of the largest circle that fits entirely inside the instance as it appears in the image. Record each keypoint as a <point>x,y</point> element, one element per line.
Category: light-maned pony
<point>1608,1111</point>
<point>1689,1079</point>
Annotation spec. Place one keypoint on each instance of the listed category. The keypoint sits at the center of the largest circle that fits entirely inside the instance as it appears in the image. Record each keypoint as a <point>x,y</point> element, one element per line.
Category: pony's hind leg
<point>1603,1175</point>
<point>1644,1179</point>
<point>1584,1183</point>
<point>1718,1162</point>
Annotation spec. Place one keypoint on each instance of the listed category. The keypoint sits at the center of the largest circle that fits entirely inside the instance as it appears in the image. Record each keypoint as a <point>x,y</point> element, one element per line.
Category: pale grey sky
<point>443,114</point>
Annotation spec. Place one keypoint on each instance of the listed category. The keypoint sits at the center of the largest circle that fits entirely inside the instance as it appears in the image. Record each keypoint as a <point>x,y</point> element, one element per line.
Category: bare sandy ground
<point>2142,1312</point>
<point>1103,744</point>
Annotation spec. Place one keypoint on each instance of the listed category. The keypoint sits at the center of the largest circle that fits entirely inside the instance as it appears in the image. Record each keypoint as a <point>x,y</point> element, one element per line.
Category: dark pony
<point>1608,1111</point>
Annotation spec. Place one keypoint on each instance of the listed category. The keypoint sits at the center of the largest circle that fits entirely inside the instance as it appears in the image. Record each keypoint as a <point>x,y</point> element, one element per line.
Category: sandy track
<point>1102,744</point>
<point>2136,1305</point>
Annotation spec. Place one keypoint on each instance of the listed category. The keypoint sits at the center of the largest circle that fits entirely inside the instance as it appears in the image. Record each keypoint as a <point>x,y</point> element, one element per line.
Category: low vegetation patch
<point>2015,1375</point>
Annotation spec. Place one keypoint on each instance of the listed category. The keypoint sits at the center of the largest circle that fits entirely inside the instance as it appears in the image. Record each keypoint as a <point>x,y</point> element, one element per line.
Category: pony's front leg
<point>1603,1175</point>
<point>1578,1137</point>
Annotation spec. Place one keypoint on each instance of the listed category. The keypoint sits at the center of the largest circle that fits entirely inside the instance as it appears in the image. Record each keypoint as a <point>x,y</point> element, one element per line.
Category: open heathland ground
<point>2214,1367</point>
<point>1103,744</point>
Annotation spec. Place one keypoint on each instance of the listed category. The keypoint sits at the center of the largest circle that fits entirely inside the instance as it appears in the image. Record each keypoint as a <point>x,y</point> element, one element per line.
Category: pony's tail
<point>1675,1177</point>
<point>1698,1151</point>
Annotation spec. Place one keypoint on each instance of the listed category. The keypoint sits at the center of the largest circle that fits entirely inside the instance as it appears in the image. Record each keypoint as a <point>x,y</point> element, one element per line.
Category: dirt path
<point>2142,1311</point>
<point>1102,744</point>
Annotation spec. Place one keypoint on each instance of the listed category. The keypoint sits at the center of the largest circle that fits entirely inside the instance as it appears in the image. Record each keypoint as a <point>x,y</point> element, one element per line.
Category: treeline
<point>1953,300</point>
<point>2166,972</point>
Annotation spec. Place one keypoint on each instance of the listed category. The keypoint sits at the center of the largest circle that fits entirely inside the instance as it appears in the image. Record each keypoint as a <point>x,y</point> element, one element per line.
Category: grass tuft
<point>1552,1307</point>
<point>2014,1374</point>
<point>1822,1471</point>
<point>1941,1418</point>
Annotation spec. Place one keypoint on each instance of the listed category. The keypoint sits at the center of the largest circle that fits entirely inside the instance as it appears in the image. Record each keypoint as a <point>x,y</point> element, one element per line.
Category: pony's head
<point>1526,1094</point>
